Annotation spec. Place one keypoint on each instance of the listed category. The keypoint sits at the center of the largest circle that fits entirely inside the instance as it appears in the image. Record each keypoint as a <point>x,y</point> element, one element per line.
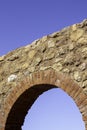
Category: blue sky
<point>54,110</point>
<point>23,21</point>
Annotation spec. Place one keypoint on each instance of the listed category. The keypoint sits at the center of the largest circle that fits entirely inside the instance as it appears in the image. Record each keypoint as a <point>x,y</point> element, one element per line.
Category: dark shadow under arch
<point>22,105</point>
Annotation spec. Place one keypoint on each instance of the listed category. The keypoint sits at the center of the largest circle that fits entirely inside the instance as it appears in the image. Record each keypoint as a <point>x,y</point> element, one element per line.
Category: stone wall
<point>61,56</point>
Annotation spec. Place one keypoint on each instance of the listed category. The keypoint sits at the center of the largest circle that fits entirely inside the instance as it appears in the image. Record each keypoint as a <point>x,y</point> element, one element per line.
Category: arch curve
<point>56,60</point>
<point>32,87</point>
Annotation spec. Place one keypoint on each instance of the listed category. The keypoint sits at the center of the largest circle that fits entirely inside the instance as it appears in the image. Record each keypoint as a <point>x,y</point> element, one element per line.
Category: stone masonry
<point>55,60</point>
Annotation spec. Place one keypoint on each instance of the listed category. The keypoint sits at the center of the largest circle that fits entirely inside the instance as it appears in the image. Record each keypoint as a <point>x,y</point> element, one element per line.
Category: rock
<point>66,70</point>
<point>84,49</point>
<point>57,66</point>
<point>37,60</point>
<point>57,60</point>
<point>77,76</point>
<point>32,54</point>
<point>69,59</point>
<point>83,66</point>
<point>62,50</point>
<point>74,27</point>
<point>84,23</point>
<point>84,76</point>
<point>44,38</point>
<point>53,35</point>
<point>84,84</point>
<point>25,65</point>
<point>71,47</point>
<point>1,58</point>
<point>76,35</point>
<point>13,57</point>
<point>44,67</point>
<point>51,43</point>
<point>49,54</point>
<point>82,40</point>
<point>12,78</point>
<point>41,47</point>
<point>31,69</point>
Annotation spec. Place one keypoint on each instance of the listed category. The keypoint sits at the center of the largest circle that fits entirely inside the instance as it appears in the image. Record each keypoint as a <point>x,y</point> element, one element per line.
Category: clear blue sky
<point>23,21</point>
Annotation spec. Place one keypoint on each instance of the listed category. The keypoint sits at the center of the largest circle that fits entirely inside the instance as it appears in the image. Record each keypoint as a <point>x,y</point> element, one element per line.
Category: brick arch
<point>33,86</point>
<point>58,59</point>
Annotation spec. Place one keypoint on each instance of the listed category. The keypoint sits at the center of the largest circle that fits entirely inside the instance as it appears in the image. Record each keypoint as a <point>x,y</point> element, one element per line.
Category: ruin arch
<point>42,82</point>
<point>56,60</point>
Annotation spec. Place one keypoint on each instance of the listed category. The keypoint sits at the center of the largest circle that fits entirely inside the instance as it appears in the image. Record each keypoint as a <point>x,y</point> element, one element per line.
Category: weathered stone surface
<point>77,76</point>
<point>1,58</point>
<point>51,43</point>
<point>75,35</point>
<point>68,47</point>
<point>49,54</point>
<point>65,52</point>
<point>83,66</point>
<point>12,78</point>
<point>31,54</point>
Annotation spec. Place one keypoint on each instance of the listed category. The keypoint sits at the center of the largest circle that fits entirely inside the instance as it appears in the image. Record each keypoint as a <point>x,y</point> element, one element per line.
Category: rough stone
<point>57,66</point>
<point>37,60</point>
<point>32,54</point>
<point>84,49</point>
<point>84,84</point>
<point>71,46</point>
<point>13,57</point>
<point>66,70</point>
<point>83,66</point>
<point>76,34</point>
<point>69,59</point>
<point>49,54</point>
<point>1,58</point>
<point>56,60</point>
<point>51,43</point>
<point>12,78</point>
<point>77,76</point>
<point>25,65</point>
<point>84,75</point>
<point>74,27</point>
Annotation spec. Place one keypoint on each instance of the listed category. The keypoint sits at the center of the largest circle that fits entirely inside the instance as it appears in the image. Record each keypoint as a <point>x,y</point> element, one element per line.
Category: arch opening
<point>54,109</point>
<point>20,108</point>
